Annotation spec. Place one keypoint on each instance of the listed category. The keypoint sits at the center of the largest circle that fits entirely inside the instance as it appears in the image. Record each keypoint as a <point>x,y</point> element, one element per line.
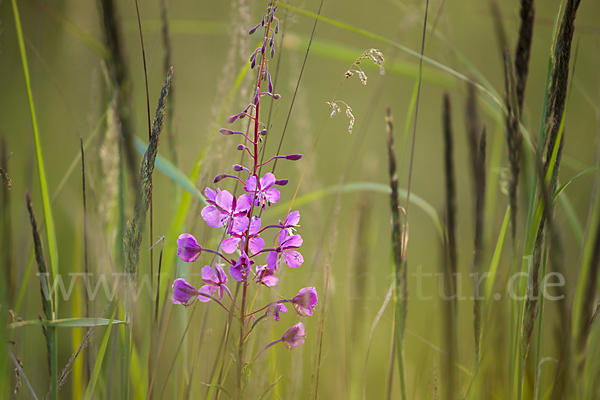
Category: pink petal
<point>292,258</point>
<point>256,244</point>
<point>212,216</point>
<point>230,244</point>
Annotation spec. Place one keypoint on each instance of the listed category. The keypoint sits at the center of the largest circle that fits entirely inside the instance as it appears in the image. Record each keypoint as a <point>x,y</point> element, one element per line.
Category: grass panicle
<point>47,302</point>
<point>523,50</point>
<point>514,140</point>
<point>399,241</point>
<point>477,143</point>
<point>120,82</point>
<point>133,236</point>
<point>450,264</point>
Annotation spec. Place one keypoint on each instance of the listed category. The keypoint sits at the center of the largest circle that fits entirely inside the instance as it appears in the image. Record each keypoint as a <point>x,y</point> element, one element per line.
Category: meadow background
<point>347,238</point>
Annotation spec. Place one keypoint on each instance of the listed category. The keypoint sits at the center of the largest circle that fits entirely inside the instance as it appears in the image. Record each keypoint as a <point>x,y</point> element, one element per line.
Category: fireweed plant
<point>237,215</point>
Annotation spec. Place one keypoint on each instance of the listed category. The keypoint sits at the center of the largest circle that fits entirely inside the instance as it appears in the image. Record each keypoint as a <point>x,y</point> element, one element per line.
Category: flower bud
<point>282,182</point>
<point>293,157</point>
<point>219,178</point>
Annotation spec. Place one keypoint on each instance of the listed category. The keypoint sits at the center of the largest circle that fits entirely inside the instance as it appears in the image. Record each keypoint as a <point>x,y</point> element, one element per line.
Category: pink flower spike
<point>183,292</point>
<point>189,250</point>
<point>294,336</point>
<point>305,301</point>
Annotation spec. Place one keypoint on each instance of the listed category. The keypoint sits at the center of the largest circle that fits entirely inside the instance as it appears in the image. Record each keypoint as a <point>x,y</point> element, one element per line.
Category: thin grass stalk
<point>151,219</point>
<point>477,144</point>
<point>135,229</point>
<point>85,256</point>
<point>399,252</point>
<point>7,266</point>
<point>47,302</point>
<point>450,268</point>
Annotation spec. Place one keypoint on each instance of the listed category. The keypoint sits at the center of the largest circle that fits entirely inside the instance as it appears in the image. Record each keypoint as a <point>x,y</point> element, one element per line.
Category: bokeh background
<point>349,235</point>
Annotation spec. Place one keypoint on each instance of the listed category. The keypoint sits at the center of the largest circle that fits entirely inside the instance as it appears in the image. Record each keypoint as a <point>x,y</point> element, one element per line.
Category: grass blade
<point>49,219</point>
<point>99,358</point>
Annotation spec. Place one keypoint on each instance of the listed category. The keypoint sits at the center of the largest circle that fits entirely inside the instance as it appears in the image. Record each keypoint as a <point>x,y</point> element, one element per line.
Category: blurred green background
<point>208,52</point>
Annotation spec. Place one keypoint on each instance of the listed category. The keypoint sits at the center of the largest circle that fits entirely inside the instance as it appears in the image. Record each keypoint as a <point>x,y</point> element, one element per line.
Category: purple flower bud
<point>262,23</point>
<point>272,51</point>
<point>262,132</point>
<point>253,29</point>
<point>282,182</point>
<point>253,63</point>
<point>237,167</point>
<point>233,118</point>
<point>271,42</point>
<point>263,50</point>
<point>270,84</point>
<point>256,97</point>
<point>276,96</point>
<point>277,27</point>
<point>226,132</point>
<point>241,147</point>
<point>293,157</point>
<point>219,178</point>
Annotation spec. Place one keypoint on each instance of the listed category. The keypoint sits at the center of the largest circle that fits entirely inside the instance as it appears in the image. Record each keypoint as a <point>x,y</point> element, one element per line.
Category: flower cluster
<point>243,249</point>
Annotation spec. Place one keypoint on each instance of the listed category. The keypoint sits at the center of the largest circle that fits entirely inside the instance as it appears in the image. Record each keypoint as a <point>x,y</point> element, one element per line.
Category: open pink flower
<point>216,282</point>
<point>262,189</point>
<point>227,210</point>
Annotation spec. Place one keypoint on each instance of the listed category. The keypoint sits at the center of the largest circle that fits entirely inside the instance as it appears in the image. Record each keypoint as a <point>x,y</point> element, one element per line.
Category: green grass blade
<point>66,323</point>
<point>99,358</point>
<point>489,285</point>
<point>50,230</point>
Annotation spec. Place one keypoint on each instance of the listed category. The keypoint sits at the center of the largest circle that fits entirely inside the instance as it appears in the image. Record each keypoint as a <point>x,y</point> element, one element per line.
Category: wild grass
<point>493,294</point>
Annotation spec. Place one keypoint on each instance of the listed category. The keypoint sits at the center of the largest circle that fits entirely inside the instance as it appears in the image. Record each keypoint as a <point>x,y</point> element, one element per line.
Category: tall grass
<point>511,312</point>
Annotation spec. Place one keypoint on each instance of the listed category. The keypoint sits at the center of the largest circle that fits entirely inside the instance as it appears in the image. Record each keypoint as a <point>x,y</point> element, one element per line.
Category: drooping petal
<point>274,310</point>
<point>189,250</point>
<point>183,292</point>
<point>256,244</point>
<point>254,226</point>
<point>208,290</point>
<point>230,244</point>
<point>291,242</point>
<point>209,275</point>
<point>250,184</point>
<point>272,260</point>
<point>211,195</point>
<point>212,216</point>
<point>266,276</point>
<point>292,258</point>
